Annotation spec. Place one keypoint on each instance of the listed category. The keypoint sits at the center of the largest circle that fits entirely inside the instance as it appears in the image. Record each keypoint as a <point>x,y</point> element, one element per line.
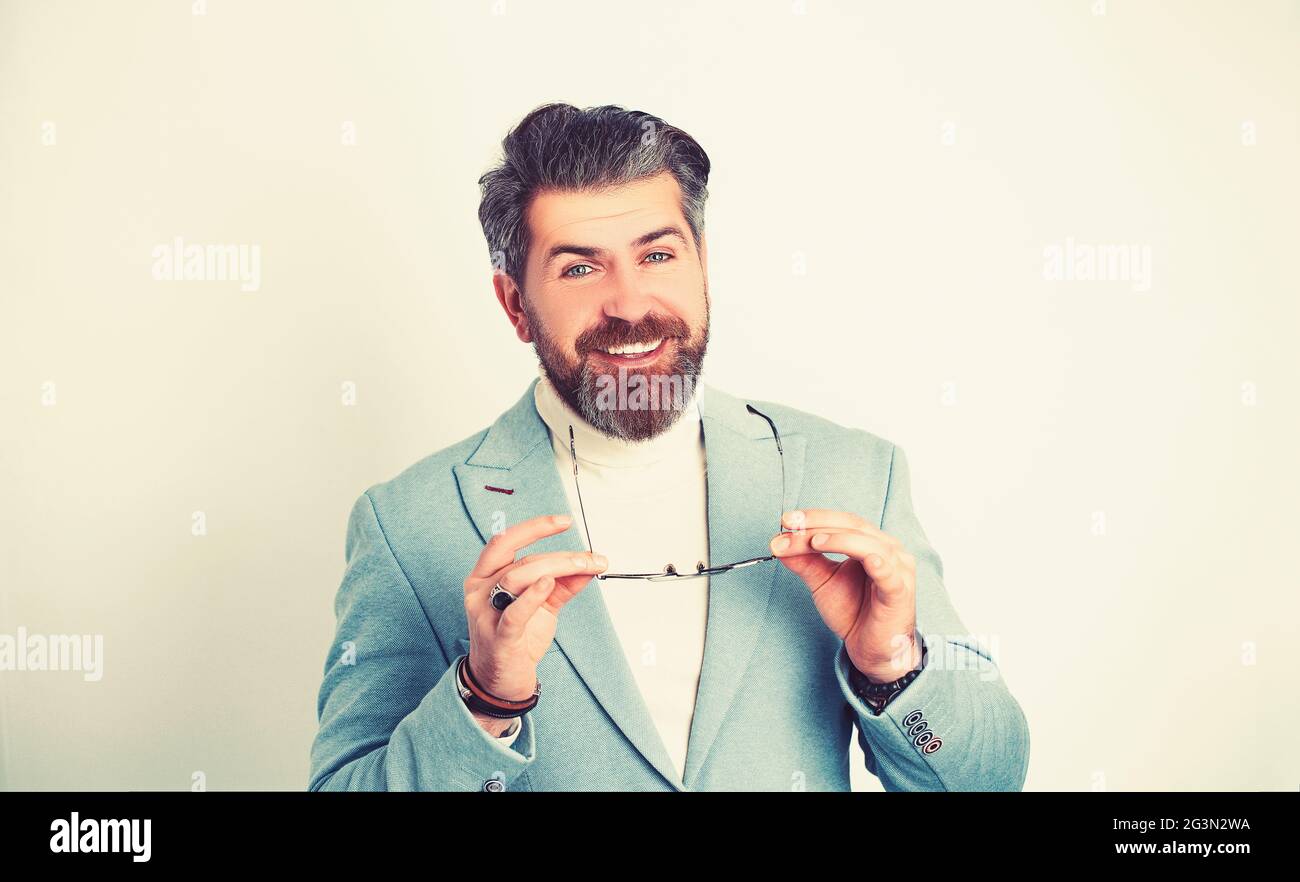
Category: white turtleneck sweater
<point>647,505</point>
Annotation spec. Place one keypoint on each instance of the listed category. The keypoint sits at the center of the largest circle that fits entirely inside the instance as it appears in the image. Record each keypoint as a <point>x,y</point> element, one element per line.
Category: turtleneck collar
<point>597,448</point>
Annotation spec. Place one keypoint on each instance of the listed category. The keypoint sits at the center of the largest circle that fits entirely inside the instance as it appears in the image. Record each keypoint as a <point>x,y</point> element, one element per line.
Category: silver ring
<point>500,597</point>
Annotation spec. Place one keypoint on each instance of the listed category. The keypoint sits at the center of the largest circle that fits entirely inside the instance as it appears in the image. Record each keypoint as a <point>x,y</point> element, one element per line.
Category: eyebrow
<point>593,252</point>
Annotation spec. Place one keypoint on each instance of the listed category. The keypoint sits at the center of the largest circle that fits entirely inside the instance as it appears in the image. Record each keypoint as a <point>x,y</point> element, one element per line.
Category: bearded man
<point>714,590</point>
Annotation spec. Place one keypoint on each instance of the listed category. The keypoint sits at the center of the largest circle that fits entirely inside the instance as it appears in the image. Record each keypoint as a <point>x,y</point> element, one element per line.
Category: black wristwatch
<point>877,695</point>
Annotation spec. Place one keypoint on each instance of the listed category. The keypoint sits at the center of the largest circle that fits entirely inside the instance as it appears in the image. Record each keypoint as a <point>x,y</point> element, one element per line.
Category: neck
<point>596,447</point>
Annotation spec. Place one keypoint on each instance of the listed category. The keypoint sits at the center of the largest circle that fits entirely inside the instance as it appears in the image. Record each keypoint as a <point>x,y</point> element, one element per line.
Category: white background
<point>915,159</point>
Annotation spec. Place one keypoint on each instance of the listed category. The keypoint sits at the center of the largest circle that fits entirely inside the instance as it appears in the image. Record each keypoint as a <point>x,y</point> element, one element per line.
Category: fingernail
<point>819,539</point>
<point>561,519</point>
<point>780,543</point>
<point>874,559</point>
<point>600,559</point>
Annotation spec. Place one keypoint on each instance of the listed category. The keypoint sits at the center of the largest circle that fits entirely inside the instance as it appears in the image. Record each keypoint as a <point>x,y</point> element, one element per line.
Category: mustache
<point>648,330</point>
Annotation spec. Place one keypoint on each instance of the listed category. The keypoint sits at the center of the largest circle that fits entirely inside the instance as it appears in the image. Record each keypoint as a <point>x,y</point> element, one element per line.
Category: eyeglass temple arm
<point>780,452</point>
<point>573,451</point>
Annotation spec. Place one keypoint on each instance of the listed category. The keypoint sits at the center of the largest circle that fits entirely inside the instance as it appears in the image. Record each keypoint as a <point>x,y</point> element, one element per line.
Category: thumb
<point>516,615</point>
<point>814,569</point>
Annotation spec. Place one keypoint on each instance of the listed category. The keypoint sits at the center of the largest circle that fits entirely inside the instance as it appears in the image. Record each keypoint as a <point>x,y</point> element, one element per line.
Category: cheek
<point>682,297</point>
<point>694,315</point>
<point>691,301</point>
<point>561,325</point>
<point>566,328</point>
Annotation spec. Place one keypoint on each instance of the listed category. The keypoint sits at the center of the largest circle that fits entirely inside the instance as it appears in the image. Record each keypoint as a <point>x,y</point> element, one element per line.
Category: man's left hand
<point>868,599</point>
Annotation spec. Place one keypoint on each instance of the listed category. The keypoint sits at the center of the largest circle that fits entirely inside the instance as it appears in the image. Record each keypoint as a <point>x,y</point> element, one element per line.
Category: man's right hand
<point>505,646</point>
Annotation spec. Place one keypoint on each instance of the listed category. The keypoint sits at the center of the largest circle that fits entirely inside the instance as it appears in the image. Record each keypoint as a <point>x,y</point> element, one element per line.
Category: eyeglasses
<point>670,571</point>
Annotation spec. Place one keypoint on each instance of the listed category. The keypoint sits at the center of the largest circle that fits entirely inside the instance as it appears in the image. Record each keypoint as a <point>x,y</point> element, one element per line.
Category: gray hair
<point>559,147</point>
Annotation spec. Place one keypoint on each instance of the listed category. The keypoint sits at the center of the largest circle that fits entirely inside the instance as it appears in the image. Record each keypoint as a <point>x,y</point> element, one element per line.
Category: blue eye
<point>571,274</point>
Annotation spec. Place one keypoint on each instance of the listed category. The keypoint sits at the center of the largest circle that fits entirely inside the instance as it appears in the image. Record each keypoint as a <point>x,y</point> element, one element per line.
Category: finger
<point>502,547</point>
<point>814,569</point>
<point>790,544</point>
<point>518,576</point>
<point>812,518</point>
<point>808,519</point>
<point>517,615</point>
<point>572,570</point>
<point>881,563</point>
<point>567,588</point>
<point>796,553</point>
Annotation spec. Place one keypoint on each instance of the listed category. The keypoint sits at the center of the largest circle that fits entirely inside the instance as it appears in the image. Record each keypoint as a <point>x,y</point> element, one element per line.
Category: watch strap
<point>877,696</point>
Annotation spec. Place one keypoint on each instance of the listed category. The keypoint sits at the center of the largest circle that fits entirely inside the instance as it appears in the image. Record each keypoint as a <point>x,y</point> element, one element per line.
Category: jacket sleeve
<point>389,712</point>
<point>956,726</point>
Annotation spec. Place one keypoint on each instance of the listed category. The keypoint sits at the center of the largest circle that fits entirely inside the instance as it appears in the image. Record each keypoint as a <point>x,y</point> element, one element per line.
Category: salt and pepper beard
<point>579,386</point>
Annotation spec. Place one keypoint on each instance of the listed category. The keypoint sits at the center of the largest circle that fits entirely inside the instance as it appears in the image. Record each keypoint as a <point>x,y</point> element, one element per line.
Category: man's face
<point>607,270</point>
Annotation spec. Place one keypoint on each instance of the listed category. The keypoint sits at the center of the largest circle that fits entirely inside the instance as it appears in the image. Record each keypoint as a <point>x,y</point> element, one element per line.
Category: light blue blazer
<point>774,709</point>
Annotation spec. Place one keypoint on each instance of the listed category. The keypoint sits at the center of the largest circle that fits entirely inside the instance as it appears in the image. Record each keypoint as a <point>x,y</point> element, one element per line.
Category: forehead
<point>608,218</point>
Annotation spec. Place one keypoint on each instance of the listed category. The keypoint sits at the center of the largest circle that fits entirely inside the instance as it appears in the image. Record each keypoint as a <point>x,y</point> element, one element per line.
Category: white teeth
<point>634,348</point>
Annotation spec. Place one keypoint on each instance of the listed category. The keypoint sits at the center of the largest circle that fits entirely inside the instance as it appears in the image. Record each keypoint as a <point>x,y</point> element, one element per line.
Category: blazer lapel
<point>744,506</point>
<point>516,455</point>
<point>744,511</point>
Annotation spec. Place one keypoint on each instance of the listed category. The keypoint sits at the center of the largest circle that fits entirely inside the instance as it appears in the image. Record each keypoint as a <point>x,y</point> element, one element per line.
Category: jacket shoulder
<point>426,478</point>
<point>792,420</point>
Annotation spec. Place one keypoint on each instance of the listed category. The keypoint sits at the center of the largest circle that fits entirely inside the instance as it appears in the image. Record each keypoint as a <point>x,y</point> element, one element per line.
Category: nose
<point>626,297</point>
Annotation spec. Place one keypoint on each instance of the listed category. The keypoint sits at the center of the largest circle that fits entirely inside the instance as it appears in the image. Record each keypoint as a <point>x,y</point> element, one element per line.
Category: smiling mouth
<point>635,353</point>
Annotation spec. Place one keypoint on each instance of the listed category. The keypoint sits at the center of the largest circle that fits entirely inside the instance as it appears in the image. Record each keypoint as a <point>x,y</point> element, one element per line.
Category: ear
<point>509,296</point>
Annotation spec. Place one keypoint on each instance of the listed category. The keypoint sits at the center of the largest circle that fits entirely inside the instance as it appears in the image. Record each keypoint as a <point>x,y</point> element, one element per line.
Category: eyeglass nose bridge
<point>670,569</point>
